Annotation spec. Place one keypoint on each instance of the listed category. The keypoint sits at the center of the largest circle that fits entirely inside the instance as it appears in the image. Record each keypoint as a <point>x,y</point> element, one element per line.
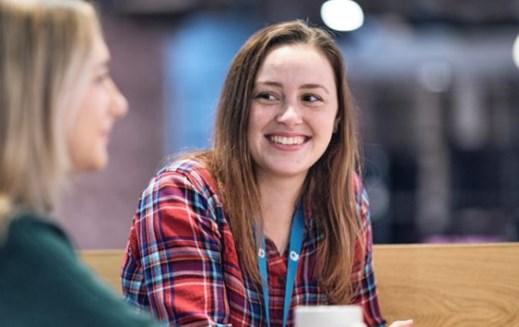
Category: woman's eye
<point>100,78</point>
<point>266,96</point>
<point>311,98</point>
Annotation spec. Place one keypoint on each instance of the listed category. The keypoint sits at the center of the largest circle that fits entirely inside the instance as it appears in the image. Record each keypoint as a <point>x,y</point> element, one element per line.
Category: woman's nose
<point>119,103</point>
<point>290,114</point>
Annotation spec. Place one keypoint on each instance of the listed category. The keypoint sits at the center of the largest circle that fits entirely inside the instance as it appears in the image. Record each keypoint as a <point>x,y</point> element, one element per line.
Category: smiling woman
<point>293,112</point>
<point>292,117</point>
<point>274,215</point>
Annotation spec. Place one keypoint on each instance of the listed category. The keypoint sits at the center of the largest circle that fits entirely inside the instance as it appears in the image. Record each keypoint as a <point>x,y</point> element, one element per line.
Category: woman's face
<point>293,111</point>
<point>100,106</point>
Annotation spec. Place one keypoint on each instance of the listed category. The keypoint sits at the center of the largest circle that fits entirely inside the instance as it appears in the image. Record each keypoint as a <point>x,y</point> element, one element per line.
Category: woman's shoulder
<point>358,186</point>
<point>45,281</point>
<point>361,198</point>
<point>186,166</point>
<point>30,229</point>
<point>190,173</point>
<point>34,240</point>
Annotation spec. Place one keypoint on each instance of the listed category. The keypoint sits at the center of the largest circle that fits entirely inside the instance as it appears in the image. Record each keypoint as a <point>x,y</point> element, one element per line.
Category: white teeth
<point>287,140</point>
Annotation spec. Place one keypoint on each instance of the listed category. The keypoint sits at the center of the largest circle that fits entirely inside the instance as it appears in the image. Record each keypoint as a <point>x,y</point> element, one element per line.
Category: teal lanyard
<point>296,241</point>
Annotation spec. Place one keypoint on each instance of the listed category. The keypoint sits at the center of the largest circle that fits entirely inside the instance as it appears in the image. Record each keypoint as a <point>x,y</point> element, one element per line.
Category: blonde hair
<point>45,47</point>
<point>329,187</point>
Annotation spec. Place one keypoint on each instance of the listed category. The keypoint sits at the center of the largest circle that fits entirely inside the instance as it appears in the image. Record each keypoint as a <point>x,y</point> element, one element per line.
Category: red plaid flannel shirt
<point>182,264</point>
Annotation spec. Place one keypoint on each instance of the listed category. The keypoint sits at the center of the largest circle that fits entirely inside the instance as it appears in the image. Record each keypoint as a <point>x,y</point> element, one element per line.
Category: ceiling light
<point>342,15</point>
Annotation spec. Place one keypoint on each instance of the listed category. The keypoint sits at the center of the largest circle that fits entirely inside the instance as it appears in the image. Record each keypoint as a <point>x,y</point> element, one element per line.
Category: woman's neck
<point>278,201</point>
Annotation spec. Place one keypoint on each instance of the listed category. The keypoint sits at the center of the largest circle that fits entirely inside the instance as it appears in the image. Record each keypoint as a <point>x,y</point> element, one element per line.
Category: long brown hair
<point>333,175</point>
<point>45,47</point>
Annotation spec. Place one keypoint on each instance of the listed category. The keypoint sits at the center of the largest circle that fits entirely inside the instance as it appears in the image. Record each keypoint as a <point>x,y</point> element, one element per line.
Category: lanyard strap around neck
<point>296,241</point>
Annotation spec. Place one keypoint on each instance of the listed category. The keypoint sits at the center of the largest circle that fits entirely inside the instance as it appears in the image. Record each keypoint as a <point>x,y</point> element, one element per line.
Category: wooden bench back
<point>436,285</point>
<point>449,285</point>
<point>106,264</point>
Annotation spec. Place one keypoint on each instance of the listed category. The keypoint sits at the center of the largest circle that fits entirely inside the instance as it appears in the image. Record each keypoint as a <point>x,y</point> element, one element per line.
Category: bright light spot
<point>342,15</point>
<point>516,51</point>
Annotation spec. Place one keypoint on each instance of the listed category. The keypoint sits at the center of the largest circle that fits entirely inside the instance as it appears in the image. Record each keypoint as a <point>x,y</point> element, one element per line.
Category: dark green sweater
<point>43,283</point>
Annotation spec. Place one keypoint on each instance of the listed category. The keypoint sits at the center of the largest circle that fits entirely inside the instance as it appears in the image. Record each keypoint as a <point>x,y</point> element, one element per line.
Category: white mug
<point>329,316</point>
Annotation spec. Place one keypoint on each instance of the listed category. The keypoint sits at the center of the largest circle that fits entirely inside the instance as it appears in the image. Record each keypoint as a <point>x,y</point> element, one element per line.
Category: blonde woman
<point>57,107</point>
<point>272,216</point>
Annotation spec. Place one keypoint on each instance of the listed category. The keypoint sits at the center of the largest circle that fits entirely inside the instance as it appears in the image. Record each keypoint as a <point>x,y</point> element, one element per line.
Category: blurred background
<point>435,82</point>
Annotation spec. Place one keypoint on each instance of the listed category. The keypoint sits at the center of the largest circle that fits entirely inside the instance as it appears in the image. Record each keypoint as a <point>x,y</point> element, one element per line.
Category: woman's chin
<point>91,164</point>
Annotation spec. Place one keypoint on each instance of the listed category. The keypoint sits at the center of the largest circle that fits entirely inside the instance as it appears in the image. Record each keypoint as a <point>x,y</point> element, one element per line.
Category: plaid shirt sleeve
<point>173,264</point>
<point>363,276</point>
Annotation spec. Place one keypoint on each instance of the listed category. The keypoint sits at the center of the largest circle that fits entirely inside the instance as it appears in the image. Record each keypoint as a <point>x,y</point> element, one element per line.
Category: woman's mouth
<point>287,140</point>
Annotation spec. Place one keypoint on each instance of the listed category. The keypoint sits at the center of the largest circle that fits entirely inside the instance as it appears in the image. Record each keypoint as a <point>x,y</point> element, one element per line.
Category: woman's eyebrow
<point>314,86</point>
